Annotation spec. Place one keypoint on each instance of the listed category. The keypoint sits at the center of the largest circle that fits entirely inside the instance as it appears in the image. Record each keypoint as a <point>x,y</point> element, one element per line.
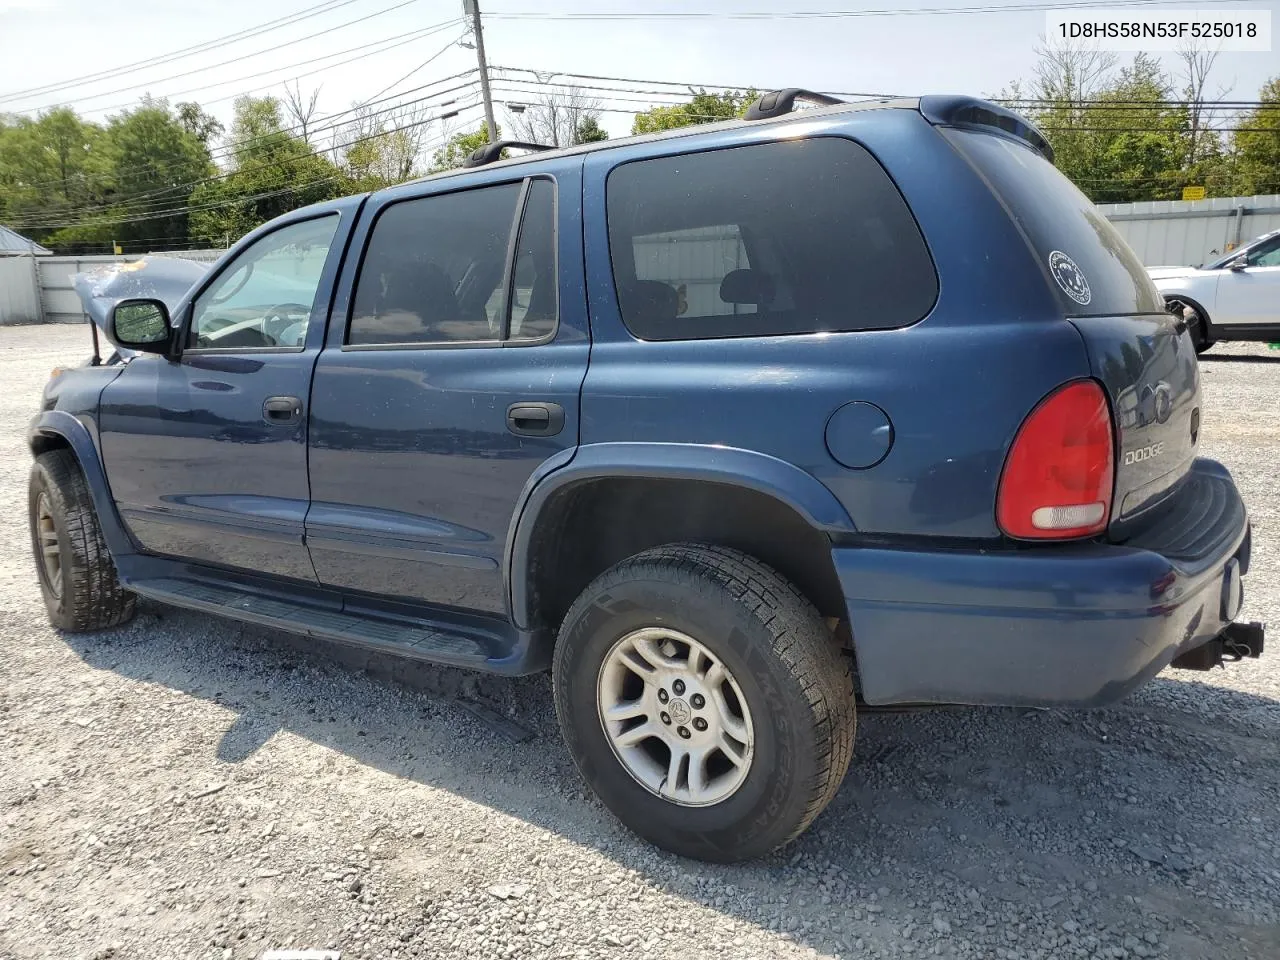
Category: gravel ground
<point>187,787</point>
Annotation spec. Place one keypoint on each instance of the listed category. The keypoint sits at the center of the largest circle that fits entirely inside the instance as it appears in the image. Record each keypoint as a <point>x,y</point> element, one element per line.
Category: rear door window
<point>781,238</point>
<point>439,269</point>
<point>1092,269</point>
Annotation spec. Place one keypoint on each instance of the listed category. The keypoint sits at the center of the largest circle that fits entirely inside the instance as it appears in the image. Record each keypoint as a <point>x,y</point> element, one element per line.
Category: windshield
<point>1093,271</point>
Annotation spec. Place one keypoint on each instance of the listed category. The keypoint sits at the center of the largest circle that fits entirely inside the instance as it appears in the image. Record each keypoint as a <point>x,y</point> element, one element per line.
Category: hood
<point>1170,273</point>
<point>159,278</point>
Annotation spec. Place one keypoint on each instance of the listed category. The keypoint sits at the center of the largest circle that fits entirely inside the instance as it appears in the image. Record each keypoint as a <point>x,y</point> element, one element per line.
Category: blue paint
<point>402,494</point>
<point>859,435</point>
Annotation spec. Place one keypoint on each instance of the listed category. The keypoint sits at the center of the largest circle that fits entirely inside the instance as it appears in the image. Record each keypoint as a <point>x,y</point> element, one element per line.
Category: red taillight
<point>1060,471</point>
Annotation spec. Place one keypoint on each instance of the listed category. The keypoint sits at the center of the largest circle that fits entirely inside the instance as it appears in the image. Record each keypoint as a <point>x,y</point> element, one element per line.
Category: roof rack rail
<point>493,151</point>
<point>781,102</point>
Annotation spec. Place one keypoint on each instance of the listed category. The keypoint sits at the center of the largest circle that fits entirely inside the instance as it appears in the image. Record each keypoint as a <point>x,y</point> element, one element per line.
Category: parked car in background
<point>730,428</point>
<point>1236,297</point>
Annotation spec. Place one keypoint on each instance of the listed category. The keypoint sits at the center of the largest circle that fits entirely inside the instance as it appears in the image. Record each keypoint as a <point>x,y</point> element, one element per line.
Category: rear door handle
<point>535,418</point>
<point>281,409</point>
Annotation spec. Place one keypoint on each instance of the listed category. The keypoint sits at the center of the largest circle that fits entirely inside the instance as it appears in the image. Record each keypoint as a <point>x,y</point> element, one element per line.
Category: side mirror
<point>1238,263</point>
<point>141,325</point>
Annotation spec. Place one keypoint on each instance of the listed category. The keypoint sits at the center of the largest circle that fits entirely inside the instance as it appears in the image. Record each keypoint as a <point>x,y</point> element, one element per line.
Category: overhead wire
<point>188,208</point>
<point>500,14</point>
<point>392,42</point>
<point>223,152</point>
<point>223,63</point>
<point>161,59</point>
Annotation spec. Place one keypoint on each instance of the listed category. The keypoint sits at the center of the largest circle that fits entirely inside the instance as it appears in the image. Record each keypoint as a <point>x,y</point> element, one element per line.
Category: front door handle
<point>282,409</point>
<point>535,418</point>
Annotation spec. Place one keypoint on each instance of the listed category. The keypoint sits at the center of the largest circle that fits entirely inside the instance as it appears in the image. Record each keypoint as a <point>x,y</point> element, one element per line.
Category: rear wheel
<point>77,576</point>
<point>1197,325</point>
<point>705,701</point>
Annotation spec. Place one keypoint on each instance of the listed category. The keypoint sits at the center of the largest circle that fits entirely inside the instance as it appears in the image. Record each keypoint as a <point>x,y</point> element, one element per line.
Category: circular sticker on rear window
<point>1070,277</point>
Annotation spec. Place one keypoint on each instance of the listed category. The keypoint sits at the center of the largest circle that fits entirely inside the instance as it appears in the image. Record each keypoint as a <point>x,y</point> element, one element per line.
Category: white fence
<point>40,290</point>
<point>1185,233</point>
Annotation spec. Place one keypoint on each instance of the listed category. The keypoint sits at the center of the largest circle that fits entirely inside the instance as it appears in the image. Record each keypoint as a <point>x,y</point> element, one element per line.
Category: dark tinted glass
<point>533,293</point>
<point>781,238</point>
<point>1094,272</point>
<point>433,270</point>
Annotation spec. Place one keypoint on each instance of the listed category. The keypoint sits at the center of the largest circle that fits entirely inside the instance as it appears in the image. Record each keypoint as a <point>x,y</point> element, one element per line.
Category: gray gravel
<point>186,787</point>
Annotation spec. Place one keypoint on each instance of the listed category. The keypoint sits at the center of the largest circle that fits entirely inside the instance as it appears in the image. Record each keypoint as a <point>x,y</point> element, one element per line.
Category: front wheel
<point>705,701</point>
<point>77,576</point>
<point>1196,324</point>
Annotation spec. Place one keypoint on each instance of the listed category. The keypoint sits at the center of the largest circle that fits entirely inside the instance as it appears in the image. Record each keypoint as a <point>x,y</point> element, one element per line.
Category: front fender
<point>660,461</point>
<point>65,426</point>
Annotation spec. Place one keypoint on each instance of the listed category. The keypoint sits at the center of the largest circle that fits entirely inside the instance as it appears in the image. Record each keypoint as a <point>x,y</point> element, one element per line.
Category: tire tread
<point>97,600</point>
<point>800,640</point>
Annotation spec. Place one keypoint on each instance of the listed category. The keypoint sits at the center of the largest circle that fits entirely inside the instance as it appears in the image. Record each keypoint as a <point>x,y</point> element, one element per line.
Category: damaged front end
<point>161,278</point>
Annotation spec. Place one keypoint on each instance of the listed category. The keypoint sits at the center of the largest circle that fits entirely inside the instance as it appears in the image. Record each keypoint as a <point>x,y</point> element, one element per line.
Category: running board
<point>401,637</point>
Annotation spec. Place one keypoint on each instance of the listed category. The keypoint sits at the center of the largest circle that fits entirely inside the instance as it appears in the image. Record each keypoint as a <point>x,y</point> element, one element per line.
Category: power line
<point>204,47</point>
<point>223,152</point>
<point>223,63</point>
<point>400,41</point>
<point>187,208</point>
<point>687,86</point>
<point>395,83</point>
<point>835,14</point>
<point>145,202</point>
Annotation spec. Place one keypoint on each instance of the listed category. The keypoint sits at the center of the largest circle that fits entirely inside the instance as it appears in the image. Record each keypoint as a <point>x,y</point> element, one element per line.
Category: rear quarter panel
<point>955,385</point>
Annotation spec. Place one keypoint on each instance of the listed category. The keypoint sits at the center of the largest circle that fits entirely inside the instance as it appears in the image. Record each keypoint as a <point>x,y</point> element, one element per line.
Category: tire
<point>794,683</point>
<point>1197,324</point>
<point>83,593</point>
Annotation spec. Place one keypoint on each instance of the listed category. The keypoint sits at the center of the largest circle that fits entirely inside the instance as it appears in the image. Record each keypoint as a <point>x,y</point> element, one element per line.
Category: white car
<point>1236,297</point>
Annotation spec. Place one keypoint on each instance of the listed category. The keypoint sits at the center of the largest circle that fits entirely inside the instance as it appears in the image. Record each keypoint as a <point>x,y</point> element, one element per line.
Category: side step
<point>401,637</point>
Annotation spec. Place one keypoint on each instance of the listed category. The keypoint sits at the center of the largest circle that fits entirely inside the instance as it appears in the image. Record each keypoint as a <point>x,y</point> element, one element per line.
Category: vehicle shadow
<point>1022,815</point>
<point>1240,357</point>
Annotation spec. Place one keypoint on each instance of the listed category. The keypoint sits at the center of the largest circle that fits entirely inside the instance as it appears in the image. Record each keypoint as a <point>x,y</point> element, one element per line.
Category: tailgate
<point>1148,367</point>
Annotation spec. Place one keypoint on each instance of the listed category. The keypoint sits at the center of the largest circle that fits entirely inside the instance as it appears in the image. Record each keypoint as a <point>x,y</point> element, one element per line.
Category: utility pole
<point>471,8</point>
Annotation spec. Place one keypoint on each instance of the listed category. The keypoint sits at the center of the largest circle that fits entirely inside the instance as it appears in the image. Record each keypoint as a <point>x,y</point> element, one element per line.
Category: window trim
<point>915,221</point>
<point>508,271</point>
<point>190,312</point>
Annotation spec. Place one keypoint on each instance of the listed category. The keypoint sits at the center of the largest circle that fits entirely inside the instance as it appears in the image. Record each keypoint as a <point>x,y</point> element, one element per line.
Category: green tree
<point>589,131</point>
<point>272,172</point>
<point>198,123</point>
<point>1122,134</point>
<point>460,146</point>
<point>702,108</point>
<point>1257,144</point>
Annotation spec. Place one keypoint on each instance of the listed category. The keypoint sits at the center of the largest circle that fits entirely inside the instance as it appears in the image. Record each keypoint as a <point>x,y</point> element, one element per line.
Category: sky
<point>47,42</point>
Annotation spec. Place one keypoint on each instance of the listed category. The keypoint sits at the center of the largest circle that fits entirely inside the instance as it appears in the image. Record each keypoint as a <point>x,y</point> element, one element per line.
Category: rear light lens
<point>1060,472</point>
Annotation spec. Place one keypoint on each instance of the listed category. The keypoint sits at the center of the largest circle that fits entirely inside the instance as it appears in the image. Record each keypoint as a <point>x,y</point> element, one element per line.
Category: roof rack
<point>493,151</point>
<point>781,102</point>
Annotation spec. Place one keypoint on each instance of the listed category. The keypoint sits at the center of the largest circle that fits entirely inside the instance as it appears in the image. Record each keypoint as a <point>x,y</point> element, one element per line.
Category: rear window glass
<point>781,238</point>
<point>1093,271</point>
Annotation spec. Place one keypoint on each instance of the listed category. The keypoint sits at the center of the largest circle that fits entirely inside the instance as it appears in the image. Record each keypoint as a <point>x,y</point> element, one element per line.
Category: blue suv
<point>732,428</point>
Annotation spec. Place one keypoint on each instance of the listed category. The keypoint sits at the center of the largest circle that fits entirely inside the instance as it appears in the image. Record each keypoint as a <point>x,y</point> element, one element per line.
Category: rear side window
<point>781,238</point>
<point>1093,271</point>
<point>440,269</point>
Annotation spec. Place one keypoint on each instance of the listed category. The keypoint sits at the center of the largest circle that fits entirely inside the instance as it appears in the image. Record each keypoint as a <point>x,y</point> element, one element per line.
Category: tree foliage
<point>558,118</point>
<point>159,176</point>
<point>1257,144</point>
<point>272,171</point>
<point>703,107</point>
<point>460,146</point>
<point>1133,132</point>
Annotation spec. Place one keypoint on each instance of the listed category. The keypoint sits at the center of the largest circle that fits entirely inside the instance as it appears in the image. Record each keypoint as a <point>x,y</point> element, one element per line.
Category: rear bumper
<point>1078,625</point>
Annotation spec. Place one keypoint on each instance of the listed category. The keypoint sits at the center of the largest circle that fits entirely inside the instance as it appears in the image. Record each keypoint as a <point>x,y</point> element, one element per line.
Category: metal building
<point>1178,233</point>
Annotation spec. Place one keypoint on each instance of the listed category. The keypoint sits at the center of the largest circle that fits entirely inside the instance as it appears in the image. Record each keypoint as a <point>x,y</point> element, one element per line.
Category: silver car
<point>1236,297</point>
